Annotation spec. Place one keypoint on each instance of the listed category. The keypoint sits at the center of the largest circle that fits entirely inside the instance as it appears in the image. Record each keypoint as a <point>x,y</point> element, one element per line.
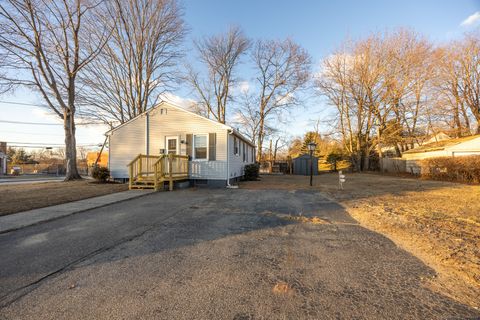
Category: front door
<point>172,145</point>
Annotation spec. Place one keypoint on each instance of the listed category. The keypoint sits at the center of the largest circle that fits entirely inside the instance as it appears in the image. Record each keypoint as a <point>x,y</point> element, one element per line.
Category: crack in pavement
<point>16,294</point>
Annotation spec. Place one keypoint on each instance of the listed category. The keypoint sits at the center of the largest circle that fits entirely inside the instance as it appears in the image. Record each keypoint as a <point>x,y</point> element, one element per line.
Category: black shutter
<point>189,145</point>
<point>212,146</point>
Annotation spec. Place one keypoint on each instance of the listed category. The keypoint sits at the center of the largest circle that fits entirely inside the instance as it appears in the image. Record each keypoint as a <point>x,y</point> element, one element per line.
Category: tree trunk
<point>366,163</point>
<point>260,140</point>
<point>70,148</point>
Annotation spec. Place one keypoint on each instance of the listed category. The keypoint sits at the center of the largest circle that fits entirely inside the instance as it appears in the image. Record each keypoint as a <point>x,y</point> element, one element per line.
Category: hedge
<point>101,174</point>
<point>252,172</point>
<point>458,169</point>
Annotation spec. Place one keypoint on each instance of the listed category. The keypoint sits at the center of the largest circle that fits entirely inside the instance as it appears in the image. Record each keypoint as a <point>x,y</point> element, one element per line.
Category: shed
<point>301,165</point>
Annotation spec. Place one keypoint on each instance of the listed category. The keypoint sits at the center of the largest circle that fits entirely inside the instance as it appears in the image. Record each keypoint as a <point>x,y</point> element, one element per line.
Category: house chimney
<point>3,147</point>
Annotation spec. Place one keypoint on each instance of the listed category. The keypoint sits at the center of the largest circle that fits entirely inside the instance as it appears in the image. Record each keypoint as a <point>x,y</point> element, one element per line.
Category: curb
<point>71,213</point>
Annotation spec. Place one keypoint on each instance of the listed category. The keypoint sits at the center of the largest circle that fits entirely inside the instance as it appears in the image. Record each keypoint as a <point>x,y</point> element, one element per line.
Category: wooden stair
<point>152,172</point>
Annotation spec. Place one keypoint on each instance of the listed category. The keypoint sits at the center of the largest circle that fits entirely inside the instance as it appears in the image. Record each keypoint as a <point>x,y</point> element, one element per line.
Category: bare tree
<point>247,115</point>
<point>5,84</point>
<point>220,55</point>
<point>408,72</point>
<point>282,69</point>
<point>380,87</point>
<point>139,61</point>
<point>469,61</point>
<point>451,107</point>
<point>47,44</point>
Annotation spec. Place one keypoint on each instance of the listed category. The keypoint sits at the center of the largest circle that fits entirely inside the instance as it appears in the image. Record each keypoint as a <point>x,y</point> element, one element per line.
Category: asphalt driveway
<point>214,254</point>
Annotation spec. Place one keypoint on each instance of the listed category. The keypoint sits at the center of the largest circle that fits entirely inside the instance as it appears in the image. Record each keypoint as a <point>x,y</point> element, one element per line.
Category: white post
<point>341,180</point>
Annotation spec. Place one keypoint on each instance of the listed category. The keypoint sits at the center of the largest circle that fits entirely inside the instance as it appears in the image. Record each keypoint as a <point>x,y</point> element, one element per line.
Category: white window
<point>235,146</point>
<point>200,146</point>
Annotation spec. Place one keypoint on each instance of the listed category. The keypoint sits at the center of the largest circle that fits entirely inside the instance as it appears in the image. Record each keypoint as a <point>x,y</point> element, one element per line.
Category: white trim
<point>168,103</point>
<point>194,154</point>
<point>162,103</point>
<point>177,144</point>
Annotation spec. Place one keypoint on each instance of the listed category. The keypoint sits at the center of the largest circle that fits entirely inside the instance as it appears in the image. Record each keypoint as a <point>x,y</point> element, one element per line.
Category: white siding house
<point>217,152</point>
<point>466,146</point>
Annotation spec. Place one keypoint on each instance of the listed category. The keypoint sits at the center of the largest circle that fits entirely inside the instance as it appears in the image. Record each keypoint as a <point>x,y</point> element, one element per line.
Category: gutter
<point>229,132</point>
<point>229,186</point>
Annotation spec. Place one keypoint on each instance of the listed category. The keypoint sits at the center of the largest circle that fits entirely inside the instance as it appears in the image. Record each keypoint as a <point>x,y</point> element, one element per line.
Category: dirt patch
<point>282,288</point>
<point>22,197</point>
<point>438,222</point>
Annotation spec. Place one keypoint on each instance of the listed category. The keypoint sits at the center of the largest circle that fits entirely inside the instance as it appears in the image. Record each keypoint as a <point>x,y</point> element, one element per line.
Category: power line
<point>48,143</point>
<point>49,124</point>
<point>30,133</point>
<point>31,123</point>
<point>49,146</point>
<point>24,104</point>
<point>34,143</point>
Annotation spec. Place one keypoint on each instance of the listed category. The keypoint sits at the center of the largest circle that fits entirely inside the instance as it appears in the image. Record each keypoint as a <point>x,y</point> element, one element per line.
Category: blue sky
<point>318,26</point>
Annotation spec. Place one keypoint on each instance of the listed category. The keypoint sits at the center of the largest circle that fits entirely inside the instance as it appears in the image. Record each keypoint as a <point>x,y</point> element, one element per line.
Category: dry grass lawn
<point>21,197</point>
<point>438,222</point>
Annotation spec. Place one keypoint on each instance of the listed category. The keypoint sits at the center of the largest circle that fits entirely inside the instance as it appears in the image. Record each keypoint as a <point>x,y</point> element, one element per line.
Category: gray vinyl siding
<point>236,161</point>
<point>166,121</point>
<point>125,144</point>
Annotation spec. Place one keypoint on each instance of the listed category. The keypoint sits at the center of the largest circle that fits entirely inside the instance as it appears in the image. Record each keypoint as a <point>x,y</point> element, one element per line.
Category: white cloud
<point>46,114</point>
<point>471,20</point>
<point>244,86</point>
<point>185,103</point>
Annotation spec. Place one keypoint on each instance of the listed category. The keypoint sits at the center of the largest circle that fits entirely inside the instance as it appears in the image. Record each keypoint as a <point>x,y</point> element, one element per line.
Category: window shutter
<point>212,146</point>
<point>189,144</point>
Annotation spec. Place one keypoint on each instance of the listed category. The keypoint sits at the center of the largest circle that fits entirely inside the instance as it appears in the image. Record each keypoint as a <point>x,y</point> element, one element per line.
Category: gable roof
<point>305,155</point>
<point>441,145</point>
<point>175,106</point>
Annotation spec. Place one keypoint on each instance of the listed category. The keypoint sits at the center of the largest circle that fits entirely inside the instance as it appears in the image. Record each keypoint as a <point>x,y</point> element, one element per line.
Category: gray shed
<point>301,165</point>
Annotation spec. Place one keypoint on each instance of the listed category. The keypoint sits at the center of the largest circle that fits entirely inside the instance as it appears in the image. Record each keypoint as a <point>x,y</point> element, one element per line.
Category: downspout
<point>229,186</point>
<point>229,132</point>
<point>147,134</point>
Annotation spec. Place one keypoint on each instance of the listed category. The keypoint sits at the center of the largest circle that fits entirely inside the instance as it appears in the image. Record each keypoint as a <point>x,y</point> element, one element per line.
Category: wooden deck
<point>152,172</point>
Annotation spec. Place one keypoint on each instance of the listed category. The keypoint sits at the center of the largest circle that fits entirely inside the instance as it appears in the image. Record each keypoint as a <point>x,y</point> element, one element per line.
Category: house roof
<point>441,145</point>
<point>305,155</point>
<point>171,104</point>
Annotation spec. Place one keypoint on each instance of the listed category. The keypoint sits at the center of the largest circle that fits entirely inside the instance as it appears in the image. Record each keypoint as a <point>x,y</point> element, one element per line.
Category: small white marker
<point>341,179</point>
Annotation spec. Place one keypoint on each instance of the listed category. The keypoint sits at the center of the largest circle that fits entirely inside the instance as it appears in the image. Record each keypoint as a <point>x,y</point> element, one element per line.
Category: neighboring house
<point>465,146</point>
<point>441,136</point>
<point>389,151</point>
<point>3,158</point>
<point>93,156</point>
<point>217,153</point>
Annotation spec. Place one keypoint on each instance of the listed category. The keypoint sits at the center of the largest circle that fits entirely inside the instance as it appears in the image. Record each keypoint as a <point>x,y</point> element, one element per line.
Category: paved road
<point>214,254</point>
<point>15,181</point>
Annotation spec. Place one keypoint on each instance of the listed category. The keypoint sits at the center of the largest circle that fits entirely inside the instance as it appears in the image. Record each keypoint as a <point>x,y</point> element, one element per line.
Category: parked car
<point>15,171</point>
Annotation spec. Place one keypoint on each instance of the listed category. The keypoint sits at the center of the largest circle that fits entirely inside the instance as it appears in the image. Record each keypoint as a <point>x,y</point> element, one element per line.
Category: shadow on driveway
<point>214,254</point>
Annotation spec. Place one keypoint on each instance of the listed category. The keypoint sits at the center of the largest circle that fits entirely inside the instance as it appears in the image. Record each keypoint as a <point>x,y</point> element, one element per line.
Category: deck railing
<point>152,171</point>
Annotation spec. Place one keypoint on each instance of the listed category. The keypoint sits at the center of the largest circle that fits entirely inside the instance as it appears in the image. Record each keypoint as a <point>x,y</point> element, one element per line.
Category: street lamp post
<point>311,148</point>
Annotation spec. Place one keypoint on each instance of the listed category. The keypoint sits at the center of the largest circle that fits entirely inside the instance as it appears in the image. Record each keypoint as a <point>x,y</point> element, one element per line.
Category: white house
<point>465,146</point>
<point>217,153</point>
